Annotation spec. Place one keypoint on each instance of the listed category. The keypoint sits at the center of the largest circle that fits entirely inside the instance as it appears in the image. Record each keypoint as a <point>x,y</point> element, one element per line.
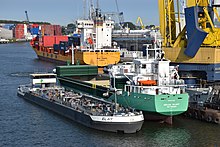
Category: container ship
<point>150,85</point>
<point>84,109</point>
<point>91,45</point>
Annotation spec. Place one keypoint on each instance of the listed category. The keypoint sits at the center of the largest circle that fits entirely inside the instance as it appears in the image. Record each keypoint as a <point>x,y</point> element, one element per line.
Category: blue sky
<point>66,11</point>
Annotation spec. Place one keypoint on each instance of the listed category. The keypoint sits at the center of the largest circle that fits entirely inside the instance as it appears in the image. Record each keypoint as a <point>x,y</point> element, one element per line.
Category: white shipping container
<point>6,34</point>
<point>25,30</point>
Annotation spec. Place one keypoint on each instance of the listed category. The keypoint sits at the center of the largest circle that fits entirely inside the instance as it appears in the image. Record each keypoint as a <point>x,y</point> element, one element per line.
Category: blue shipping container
<point>8,26</point>
<point>56,47</point>
<point>34,31</point>
<point>63,45</point>
<point>76,35</point>
<point>75,41</point>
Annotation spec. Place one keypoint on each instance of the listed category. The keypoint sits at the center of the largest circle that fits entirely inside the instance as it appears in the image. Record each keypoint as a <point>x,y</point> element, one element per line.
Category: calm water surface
<point>23,124</point>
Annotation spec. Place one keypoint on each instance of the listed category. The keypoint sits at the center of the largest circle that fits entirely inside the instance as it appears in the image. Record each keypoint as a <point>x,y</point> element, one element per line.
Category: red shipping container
<point>57,30</point>
<point>47,30</point>
<point>18,34</point>
<point>48,41</point>
<point>19,26</point>
<point>60,38</point>
<point>18,31</point>
<point>35,26</point>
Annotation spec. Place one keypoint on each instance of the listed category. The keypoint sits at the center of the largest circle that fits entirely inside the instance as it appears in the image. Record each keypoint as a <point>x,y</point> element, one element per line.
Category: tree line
<point>21,22</point>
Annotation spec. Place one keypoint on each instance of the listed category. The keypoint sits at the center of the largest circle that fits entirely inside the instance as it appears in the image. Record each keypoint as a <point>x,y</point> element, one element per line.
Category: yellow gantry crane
<point>190,37</point>
<point>140,20</point>
<point>170,14</point>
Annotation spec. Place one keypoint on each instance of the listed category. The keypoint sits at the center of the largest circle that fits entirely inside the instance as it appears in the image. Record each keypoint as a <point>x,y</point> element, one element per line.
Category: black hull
<point>82,118</point>
<point>158,117</point>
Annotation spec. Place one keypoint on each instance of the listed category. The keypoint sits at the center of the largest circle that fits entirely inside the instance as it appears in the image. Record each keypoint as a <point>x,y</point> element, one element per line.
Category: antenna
<point>97,9</point>
<point>84,8</point>
<point>91,10</point>
<point>116,2</point>
<point>97,4</point>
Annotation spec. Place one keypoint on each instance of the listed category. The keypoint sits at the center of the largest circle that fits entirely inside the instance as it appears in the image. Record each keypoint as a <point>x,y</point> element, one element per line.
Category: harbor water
<point>24,124</point>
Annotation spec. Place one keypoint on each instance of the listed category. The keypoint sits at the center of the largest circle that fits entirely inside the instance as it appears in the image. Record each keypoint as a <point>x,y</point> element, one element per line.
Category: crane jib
<point>193,31</point>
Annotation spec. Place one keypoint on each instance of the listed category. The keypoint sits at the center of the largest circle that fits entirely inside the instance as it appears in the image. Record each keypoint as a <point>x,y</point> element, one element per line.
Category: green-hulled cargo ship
<point>150,85</point>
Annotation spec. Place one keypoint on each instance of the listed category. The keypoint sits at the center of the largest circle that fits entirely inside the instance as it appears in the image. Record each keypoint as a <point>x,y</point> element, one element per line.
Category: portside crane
<point>28,36</point>
<point>141,23</point>
<point>120,15</point>
<point>27,21</point>
<point>196,45</point>
<point>27,18</point>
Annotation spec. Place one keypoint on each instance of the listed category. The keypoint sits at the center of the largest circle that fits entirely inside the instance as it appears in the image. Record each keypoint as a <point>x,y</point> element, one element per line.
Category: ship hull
<point>80,117</point>
<point>52,60</point>
<point>52,57</point>
<point>158,117</point>
<point>164,104</point>
<point>100,59</point>
<point>155,108</point>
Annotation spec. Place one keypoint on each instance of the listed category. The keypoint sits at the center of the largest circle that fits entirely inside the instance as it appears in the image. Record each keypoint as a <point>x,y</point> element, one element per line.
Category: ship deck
<point>104,83</point>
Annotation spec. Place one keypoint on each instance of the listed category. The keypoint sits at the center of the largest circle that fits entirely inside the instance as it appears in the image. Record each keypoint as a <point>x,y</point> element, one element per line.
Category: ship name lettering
<point>171,105</point>
<point>106,119</point>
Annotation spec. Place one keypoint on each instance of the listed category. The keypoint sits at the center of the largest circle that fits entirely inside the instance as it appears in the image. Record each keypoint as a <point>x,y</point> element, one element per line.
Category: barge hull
<point>80,117</point>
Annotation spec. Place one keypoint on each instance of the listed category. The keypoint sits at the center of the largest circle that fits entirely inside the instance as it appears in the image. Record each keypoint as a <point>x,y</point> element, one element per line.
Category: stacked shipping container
<point>47,30</point>
<point>18,31</point>
<point>49,41</point>
<point>60,38</point>
<point>57,30</point>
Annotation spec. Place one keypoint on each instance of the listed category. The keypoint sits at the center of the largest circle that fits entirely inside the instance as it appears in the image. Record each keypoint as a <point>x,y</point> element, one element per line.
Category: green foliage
<point>63,30</point>
<point>71,26</point>
<point>69,29</point>
<point>150,26</point>
<point>20,22</point>
<point>130,25</point>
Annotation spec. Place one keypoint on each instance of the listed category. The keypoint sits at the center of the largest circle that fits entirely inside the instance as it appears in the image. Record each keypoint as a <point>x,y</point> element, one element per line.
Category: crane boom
<point>27,17</point>
<point>120,15</point>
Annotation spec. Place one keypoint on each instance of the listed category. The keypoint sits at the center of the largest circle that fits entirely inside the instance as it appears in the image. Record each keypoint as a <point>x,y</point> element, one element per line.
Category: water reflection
<point>168,137</point>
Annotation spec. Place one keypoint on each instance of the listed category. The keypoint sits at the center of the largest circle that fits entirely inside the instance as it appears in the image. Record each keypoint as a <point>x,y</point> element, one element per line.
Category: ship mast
<point>97,4</point>
<point>84,9</point>
<point>91,10</point>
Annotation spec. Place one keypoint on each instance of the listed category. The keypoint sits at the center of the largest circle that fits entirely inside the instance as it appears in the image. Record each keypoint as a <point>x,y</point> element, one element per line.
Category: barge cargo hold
<point>84,109</point>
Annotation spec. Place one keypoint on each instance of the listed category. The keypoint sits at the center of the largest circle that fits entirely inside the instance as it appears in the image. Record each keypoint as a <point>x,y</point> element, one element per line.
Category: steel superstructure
<point>191,38</point>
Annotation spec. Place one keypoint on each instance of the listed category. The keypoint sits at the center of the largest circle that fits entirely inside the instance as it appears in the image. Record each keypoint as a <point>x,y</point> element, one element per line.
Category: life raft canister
<point>147,82</point>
